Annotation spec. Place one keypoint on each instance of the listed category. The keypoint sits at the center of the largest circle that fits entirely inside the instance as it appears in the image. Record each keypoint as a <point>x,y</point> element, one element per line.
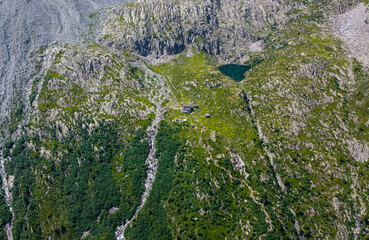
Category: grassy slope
<point>309,100</point>
<point>309,119</point>
<point>205,187</point>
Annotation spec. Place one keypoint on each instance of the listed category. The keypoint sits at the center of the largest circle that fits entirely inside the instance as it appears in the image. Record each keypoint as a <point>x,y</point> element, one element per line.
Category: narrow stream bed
<point>151,162</point>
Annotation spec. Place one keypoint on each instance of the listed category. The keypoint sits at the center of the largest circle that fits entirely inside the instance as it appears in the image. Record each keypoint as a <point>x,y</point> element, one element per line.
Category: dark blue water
<point>234,71</point>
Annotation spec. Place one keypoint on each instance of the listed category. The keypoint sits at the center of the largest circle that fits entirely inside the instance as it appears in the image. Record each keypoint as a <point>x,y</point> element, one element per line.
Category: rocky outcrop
<point>156,28</point>
<point>26,26</point>
<point>353,28</point>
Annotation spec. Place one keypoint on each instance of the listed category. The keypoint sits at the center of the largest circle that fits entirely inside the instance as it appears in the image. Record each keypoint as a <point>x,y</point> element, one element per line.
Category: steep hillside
<point>28,25</point>
<point>277,146</point>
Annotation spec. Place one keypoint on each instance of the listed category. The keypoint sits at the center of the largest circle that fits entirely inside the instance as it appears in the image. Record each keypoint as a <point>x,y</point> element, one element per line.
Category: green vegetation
<point>196,175</point>
<point>42,49</point>
<point>94,16</point>
<point>34,92</point>
<point>59,54</point>
<point>16,116</point>
<point>152,222</point>
<point>24,204</point>
<point>5,215</point>
<point>77,193</point>
<point>49,76</point>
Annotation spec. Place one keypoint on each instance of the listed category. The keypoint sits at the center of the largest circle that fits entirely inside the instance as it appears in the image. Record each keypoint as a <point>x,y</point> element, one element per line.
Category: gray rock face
<point>25,26</point>
<point>158,27</point>
<point>353,28</point>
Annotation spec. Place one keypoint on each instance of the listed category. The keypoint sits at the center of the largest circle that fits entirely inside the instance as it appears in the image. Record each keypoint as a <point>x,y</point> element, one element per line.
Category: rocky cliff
<point>229,29</point>
<point>225,28</point>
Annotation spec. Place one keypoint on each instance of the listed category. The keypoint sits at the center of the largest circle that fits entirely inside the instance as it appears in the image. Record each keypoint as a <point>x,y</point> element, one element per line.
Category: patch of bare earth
<point>353,28</point>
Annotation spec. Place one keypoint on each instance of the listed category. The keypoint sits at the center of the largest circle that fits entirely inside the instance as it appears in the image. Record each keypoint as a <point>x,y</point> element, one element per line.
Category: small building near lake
<point>186,109</point>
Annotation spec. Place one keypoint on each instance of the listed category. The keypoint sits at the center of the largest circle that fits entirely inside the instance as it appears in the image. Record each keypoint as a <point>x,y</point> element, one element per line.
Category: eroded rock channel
<point>158,94</point>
